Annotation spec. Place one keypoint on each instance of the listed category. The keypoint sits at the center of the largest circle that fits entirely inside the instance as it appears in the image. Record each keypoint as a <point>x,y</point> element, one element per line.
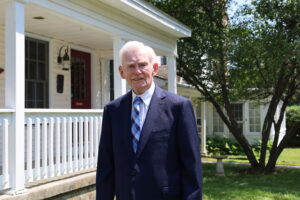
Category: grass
<point>283,185</point>
<point>289,156</point>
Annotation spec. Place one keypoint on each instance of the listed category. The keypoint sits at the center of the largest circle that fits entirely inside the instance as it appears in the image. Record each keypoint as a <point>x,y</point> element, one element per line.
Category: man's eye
<point>142,64</point>
<point>131,66</point>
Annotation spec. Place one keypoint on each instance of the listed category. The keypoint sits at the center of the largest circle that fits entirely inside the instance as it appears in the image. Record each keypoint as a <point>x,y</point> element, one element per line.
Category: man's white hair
<point>134,44</point>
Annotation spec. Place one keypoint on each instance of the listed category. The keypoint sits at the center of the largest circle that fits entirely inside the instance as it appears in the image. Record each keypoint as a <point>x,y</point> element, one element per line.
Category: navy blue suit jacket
<point>167,163</point>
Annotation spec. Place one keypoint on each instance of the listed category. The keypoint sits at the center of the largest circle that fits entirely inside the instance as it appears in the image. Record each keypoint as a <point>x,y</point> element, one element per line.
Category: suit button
<point>134,172</point>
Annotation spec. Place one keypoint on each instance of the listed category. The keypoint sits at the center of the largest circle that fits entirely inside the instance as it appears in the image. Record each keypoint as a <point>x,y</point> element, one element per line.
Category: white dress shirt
<point>144,106</point>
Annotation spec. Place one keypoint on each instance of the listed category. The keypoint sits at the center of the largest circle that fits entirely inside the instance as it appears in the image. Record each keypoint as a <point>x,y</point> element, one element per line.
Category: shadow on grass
<point>237,186</point>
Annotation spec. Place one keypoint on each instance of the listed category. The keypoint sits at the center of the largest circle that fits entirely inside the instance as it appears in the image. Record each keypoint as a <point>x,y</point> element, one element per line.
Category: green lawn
<point>289,156</point>
<point>283,185</point>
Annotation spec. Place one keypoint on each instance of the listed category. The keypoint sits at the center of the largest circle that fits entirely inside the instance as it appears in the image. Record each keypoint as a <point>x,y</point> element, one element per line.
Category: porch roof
<point>96,23</point>
<point>152,15</point>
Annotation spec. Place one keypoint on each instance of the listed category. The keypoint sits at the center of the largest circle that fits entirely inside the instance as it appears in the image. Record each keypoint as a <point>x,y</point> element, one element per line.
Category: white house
<point>58,67</point>
<point>249,114</point>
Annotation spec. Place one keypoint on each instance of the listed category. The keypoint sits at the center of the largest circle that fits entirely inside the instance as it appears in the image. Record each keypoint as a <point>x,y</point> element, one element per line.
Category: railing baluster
<point>64,145</point>
<point>99,132</point>
<point>44,149</point>
<point>51,147</point>
<point>29,174</point>
<point>37,157</point>
<point>91,140</point>
<point>81,143</point>
<point>57,147</point>
<point>5,181</point>
<point>95,140</point>
<point>70,151</point>
<point>75,132</point>
<point>86,142</point>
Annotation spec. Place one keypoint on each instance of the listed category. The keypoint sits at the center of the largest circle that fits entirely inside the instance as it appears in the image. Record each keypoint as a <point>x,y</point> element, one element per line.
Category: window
<point>197,109</point>
<point>254,118</point>
<point>163,60</point>
<point>36,73</point>
<point>237,110</point>
<point>217,122</point>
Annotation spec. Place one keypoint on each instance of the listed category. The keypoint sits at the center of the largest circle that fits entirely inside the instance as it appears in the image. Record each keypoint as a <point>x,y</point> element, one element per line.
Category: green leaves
<point>255,55</point>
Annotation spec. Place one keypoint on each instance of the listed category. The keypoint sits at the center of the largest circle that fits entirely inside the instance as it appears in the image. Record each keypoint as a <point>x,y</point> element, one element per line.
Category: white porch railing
<point>57,142</point>
<point>5,119</point>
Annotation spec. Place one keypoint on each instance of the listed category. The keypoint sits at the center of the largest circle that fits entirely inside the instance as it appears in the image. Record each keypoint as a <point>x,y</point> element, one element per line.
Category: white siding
<point>105,58</point>
<point>2,63</point>
<point>96,80</point>
<point>59,100</point>
<point>99,76</point>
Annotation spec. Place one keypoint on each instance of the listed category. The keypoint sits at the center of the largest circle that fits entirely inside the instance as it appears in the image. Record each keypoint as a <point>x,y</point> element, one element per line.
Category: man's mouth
<point>137,79</point>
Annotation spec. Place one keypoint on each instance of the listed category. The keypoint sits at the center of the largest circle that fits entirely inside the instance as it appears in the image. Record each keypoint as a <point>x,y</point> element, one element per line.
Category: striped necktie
<point>136,122</point>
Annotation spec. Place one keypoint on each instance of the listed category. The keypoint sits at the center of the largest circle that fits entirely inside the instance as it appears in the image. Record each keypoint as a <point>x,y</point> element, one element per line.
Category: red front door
<point>80,79</point>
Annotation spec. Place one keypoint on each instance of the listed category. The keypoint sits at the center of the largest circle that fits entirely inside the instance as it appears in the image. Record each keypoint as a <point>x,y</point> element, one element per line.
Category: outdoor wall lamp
<point>65,59</point>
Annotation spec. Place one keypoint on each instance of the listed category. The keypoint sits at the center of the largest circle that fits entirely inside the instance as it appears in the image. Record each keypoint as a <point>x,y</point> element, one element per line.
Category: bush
<point>292,117</point>
<point>217,145</point>
<point>257,146</point>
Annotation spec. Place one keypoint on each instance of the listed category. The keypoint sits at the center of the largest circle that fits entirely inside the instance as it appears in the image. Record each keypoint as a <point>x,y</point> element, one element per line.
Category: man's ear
<point>155,68</point>
<point>121,71</point>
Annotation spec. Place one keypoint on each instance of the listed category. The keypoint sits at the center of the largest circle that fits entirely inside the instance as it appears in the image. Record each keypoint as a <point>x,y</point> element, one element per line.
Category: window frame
<point>255,119</point>
<point>35,80</point>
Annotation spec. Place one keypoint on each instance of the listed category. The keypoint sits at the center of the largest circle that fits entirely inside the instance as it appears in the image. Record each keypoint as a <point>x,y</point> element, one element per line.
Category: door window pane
<point>237,110</point>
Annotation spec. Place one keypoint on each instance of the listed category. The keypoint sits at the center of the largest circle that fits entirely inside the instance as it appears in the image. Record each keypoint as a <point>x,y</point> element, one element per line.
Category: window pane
<point>39,91</point>
<point>32,50</point>
<point>254,118</point>
<point>41,51</point>
<point>32,70</point>
<point>217,122</point>
<point>237,111</point>
<point>41,71</point>
<point>31,91</point>
<point>26,69</point>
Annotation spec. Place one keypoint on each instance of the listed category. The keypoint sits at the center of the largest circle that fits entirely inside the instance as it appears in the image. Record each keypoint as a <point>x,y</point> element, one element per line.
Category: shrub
<point>257,146</point>
<point>292,117</point>
<point>217,145</point>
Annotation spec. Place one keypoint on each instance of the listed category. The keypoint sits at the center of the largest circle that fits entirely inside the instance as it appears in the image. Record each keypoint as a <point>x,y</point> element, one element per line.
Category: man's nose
<point>136,69</point>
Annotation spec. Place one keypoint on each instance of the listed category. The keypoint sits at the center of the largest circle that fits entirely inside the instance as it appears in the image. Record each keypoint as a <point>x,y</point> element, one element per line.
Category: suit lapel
<point>125,121</point>
<point>153,114</point>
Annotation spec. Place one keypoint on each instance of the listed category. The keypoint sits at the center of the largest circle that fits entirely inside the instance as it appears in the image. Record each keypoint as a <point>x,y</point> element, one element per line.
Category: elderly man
<point>149,147</point>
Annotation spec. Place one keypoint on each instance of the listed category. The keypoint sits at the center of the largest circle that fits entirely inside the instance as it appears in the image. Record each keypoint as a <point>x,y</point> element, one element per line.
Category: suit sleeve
<point>105,167</point>
<point>189,151</point>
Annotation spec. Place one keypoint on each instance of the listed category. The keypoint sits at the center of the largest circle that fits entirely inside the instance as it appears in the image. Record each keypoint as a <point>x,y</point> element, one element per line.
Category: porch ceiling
<point>59,27</point>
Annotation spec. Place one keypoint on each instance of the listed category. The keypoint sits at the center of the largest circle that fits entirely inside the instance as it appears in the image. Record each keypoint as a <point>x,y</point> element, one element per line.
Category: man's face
<point>138,70</point>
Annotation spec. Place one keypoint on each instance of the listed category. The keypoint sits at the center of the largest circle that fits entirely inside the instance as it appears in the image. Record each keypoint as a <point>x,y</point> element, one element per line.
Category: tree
<point>255,56</point>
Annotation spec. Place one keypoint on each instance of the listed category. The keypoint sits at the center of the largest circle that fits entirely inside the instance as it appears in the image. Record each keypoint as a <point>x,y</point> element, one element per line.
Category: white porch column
<point>172,78</point>
<point>15,89</point>
<point>203,128</point>
<point>119,83</point>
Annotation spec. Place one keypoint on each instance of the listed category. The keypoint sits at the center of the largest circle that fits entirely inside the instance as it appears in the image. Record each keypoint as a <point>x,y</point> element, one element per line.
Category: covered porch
<point>50,125</point>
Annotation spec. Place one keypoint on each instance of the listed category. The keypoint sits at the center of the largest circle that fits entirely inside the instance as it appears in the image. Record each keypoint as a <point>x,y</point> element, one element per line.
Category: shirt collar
<point>147,95</point>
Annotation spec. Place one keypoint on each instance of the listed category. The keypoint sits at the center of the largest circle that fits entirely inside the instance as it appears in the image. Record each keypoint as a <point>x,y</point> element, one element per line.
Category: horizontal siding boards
<point>2,65</point>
